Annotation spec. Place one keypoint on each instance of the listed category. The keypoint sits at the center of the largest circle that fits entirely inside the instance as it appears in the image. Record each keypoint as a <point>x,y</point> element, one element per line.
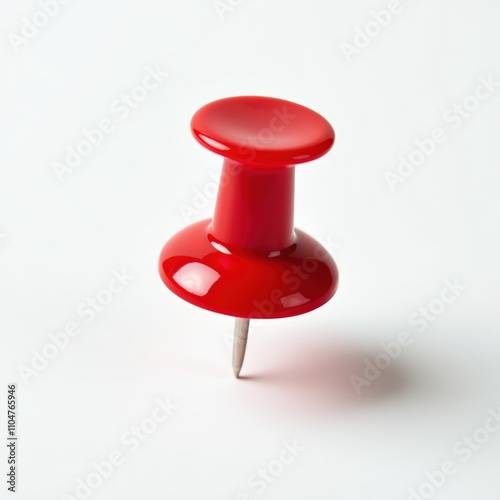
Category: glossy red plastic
<point>244,283</point>
<point>249,261</point>
<point>262,131</point>
<point>254,207</point>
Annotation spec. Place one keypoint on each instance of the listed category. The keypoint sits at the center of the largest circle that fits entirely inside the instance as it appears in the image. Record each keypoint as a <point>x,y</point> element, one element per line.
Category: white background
<point>61,240</point>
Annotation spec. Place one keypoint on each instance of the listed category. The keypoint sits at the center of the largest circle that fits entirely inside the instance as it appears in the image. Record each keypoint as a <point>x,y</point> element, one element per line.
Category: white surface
<point>61,242</point>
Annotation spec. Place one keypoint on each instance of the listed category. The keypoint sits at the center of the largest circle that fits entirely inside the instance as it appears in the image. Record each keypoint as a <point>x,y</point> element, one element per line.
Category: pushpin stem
<point>254,207</point>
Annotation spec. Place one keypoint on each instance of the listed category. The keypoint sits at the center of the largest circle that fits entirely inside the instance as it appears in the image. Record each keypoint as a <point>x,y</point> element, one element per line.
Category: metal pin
<point>241,326</point>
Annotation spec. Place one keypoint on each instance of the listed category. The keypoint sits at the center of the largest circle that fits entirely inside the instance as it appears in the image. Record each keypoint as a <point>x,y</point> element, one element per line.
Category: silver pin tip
<point>241,327</point>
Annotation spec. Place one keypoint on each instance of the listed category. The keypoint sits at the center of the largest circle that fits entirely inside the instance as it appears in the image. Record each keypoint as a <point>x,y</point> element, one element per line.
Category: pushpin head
<point>249,261</point>
<point>262,131</point>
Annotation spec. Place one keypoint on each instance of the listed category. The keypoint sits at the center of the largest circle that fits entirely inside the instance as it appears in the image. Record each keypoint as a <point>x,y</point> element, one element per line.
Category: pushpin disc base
<point>247,283</point>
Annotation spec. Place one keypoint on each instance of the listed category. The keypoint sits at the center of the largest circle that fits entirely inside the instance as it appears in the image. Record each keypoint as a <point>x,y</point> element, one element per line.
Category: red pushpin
<point>249,261</point>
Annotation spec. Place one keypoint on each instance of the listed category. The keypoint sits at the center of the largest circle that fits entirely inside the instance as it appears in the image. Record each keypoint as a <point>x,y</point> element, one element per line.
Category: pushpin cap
<point>262,131</point>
